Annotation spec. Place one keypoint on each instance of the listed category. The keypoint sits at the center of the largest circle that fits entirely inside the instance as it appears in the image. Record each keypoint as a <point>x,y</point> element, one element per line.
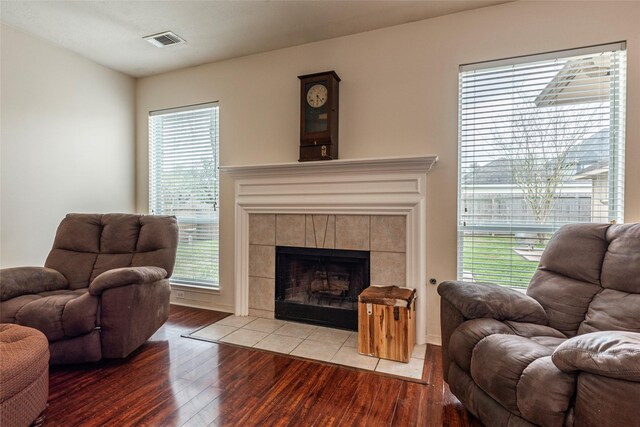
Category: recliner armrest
<point>19,281</point>
<point>126,276</point>
<point>487,300</point>
<point>613,354</point>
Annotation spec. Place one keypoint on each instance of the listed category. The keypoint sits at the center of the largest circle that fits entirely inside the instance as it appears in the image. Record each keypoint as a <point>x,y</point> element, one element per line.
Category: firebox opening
<point>320,286</point>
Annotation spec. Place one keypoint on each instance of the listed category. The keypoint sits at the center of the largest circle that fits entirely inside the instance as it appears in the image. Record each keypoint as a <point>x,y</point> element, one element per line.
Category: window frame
<point>189,283</point>
<point>616,149</point>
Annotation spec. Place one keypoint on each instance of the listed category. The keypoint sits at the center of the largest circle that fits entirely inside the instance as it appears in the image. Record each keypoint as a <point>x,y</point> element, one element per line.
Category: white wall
<point>398,96</point>
<point>67,143</point>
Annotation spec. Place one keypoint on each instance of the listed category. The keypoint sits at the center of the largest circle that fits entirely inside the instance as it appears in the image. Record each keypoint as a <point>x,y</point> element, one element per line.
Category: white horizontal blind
<point>541,144</point>
<point>183,181</point>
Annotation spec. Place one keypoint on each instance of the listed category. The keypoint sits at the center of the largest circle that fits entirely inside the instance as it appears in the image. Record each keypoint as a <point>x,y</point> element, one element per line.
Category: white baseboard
<point>225,308</point>
<point>434,339</point>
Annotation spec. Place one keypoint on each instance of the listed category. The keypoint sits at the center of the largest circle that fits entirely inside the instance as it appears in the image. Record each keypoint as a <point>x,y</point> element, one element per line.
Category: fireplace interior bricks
<point>320,286</point>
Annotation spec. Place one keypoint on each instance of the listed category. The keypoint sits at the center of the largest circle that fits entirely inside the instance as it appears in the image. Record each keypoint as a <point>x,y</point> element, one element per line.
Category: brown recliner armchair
<point>565,354</point>
<point>104,289</point>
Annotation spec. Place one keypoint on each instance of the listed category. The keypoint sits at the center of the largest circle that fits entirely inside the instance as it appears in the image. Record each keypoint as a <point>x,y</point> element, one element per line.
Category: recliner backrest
<point>87,245</point>
<point>588,278</point>
<point>617,306</point>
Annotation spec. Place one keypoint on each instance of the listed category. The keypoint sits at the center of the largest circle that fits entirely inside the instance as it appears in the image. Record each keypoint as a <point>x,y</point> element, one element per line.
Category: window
<point>183,181</point>
<point>541,144</point>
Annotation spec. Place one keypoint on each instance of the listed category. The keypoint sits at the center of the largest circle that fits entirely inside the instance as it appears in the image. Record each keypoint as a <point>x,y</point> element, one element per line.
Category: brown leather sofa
<point>104,289</point>
<point>565,354</point>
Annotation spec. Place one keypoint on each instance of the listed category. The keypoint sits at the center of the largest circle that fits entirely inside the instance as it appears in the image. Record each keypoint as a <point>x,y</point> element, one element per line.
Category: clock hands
<point>317,96</point>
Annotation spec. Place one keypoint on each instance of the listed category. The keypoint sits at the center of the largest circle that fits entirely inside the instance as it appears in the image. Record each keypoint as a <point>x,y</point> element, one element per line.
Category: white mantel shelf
<point>376,164</point>
<point>376,186</point>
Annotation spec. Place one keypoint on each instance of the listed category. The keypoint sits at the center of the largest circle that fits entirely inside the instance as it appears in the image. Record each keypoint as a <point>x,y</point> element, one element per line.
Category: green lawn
<point>496,261</point>
<point>198,261</point>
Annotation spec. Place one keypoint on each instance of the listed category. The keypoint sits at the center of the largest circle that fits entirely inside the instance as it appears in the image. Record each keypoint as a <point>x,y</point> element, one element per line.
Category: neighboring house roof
<point>579,81</point>
<point>590,154</point>
<point>591,151</point>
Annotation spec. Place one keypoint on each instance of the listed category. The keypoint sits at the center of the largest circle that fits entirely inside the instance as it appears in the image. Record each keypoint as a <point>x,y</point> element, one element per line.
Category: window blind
<point>541,144</point>
<point>183,181</point>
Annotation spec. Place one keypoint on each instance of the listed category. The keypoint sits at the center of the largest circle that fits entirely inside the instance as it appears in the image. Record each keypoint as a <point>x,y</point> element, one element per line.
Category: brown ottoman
<point>24,375</point>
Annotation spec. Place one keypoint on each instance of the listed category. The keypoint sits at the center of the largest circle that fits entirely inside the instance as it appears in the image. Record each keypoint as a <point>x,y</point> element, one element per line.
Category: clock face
<point>317,95</point>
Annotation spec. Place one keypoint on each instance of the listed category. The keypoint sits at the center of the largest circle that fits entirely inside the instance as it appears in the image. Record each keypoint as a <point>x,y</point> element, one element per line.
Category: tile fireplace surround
<point>377,205</point>
<point>383,235</point>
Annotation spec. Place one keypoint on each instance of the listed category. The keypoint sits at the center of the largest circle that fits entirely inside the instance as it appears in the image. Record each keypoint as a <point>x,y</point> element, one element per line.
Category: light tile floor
<point>308,341</point>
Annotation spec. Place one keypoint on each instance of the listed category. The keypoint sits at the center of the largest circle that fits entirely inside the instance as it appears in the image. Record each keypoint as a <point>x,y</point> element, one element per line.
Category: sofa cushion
<point>498,362</point>
<point>470,333</point>
<point>612,310</point>
<point>544,393</point>
<point>576,251</point>
<point>621,266</point>
<point>106,262</point>
<point>568,275</point>
<point>612,354</point>
<point>532,330</point>
<point>157,243</point>
<point>79,233</point>
<point>565,300</point>
<point>57,314</point>
<point>75,266</point>
<point>28,280</point>
<point>480,403</point>
<point>120,233</point>
<point>10,307</point>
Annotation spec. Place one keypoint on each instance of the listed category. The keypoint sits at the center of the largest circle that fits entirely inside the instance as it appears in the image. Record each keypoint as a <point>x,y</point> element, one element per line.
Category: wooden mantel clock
<point>319,116</point>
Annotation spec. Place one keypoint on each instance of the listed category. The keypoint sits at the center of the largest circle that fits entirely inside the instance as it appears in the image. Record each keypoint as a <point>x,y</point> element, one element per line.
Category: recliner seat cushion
<point>544,393</point>
<point>465,338</point>
<point>29,280</point>
<point>57,314</point>
<point>498,363</point>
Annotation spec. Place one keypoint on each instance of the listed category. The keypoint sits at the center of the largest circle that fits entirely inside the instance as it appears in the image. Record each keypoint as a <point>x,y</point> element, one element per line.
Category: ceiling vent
<point>164,39</point>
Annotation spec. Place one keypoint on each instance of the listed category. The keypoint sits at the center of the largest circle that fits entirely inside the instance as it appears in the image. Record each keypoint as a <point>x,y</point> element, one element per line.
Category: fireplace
<point>320,286</point>
<point>385,187</point>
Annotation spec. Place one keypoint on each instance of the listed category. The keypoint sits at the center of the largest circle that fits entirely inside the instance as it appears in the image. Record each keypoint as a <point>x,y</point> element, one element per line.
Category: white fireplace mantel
<point>378,186</point>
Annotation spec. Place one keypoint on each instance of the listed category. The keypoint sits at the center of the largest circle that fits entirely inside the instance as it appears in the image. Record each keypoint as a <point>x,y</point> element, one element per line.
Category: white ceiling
<point>110,32</point>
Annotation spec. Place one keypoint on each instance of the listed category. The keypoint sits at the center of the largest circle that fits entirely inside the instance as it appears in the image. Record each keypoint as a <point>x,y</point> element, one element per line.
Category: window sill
<point>195,288</point>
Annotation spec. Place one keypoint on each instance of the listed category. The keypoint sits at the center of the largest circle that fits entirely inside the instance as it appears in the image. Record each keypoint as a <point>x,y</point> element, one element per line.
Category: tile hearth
<point>307,341</point>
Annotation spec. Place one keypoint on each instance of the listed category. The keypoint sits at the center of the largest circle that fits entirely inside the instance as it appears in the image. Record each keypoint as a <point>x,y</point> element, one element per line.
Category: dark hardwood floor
<point>174,381</point>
